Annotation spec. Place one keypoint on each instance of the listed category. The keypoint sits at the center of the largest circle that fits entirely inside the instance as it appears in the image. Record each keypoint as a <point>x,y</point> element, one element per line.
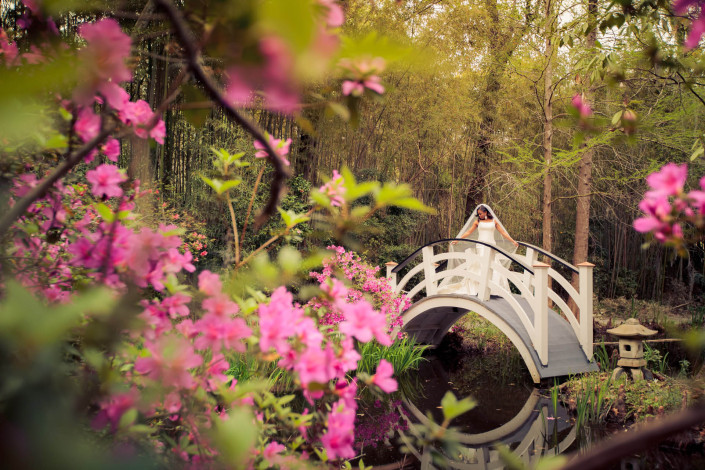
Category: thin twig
<point>234,222</point>
<point>249,207</point>
<point>193,57</point>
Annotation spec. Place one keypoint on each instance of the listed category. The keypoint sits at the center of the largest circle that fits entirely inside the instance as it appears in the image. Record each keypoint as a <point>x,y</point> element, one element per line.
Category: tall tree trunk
<point>547,238</point>
<point>582,212</point>
<point>508,39</point>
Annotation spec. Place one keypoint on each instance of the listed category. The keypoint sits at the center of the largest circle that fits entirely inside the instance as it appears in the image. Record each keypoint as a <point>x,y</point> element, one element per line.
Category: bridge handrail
<point>409,258</point>
<point>550,255</point>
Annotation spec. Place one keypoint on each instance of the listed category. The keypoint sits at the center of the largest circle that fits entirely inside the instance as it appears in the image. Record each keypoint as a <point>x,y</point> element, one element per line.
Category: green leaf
<point>616,118</point>
<point>289,259</point>
<point>452,408</point>
<point>340,110</point>
<point>511,460</point>
<point>292,20</point>
<point>105,212</point>
<point>220,186</point>
<point>413,204</point>
<point>551,462</point>
<point>359,212</point>
<point>698,152</point>
<point>57,141</point>
<point>320,198</point>
<point>128,418</point>
<point>235,437</point>
<point>292,219</point>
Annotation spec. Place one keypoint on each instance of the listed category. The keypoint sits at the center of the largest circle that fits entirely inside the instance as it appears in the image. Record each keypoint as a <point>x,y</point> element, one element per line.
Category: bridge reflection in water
<point>527,424</point>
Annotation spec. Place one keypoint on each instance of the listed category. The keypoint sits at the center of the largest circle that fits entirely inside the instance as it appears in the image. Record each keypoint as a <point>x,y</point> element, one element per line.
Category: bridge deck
<point>565,355</point>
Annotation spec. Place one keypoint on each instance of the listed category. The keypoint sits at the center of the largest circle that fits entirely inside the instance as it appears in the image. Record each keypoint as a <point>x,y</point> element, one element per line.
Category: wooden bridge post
<point>541,311</point>
<point>585,307</point>
<point>429,270</point>
<point>390,275</point>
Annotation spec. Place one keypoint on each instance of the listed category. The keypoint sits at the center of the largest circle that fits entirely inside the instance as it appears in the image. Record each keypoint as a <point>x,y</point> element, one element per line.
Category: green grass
<point>247,367</point>
<point>403,355</point>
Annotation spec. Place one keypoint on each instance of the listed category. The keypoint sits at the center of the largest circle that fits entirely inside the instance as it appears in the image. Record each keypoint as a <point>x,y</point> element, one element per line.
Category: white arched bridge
<point>515,292</point>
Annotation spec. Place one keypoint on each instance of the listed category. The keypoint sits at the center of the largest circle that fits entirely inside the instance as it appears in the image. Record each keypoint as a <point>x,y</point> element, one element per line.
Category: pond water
<point>509,410</point>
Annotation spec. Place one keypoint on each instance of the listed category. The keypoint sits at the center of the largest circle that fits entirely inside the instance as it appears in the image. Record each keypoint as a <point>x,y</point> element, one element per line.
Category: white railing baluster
<point>486,261</point>
<point>429,270</point>
<point>531,257</point>
<point>585,306</point>
<point>390,275</point>
<point>541,311</point>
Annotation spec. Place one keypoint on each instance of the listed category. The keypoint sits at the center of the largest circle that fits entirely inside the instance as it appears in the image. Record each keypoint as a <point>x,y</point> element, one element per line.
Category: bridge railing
<point>580,316</point>
<point>532,282</point>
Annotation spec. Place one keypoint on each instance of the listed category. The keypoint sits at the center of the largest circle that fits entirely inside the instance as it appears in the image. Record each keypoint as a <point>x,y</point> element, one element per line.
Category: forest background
<point>482,115</point>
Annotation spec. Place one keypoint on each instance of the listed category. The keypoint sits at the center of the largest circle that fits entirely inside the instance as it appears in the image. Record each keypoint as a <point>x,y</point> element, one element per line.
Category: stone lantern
<point>631,349</point>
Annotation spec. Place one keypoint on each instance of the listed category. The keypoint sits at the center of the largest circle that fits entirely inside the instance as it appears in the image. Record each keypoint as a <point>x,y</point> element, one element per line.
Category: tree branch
<point>193,58</point>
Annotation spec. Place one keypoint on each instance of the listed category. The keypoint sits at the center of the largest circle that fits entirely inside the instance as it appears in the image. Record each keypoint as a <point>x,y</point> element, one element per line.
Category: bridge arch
<point>447,309</point>
<point>552,338</point>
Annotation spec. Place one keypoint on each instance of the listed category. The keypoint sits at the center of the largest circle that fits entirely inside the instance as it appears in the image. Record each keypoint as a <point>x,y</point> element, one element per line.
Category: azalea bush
<point>109,355</point>
<point>365,280</point>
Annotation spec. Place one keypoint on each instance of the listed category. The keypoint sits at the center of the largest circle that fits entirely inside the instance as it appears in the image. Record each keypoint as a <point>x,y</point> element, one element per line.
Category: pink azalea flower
<point>176,305</point>
<point>112,409</point>
<point>220,305</point>
<point>187,329</point>
<point>209,283</point>
<point>87,124</point>
<point>111,149</point>
<point>8,50</point>
<point>339,437</point>
<point>583,107</point>
<point>383,377</point>
<point>334,16</point>
<point>280,147</point>
<point>353,88</point>
<point>669,180</point>
<point>362,322</point>
<point>103,59</point>
<point>334,189</point>
<point>216,368</point>
<point>697,27</point>
<point>106,180</point>
<point>221,332</point>
<point>315,365</point>
<point>171,359</point>
<point>273,449</point>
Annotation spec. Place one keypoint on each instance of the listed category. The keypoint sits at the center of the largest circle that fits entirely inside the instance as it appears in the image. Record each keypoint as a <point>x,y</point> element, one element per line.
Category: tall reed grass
<point>403,355</point>
<point>592,400</point>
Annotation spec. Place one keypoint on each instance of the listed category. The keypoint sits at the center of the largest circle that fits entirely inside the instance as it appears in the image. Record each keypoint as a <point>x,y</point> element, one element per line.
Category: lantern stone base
<point>633,363</point>
<point>635,373</point>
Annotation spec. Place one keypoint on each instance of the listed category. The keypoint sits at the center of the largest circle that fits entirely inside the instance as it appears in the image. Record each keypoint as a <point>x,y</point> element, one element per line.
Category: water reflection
<point>515,414</point>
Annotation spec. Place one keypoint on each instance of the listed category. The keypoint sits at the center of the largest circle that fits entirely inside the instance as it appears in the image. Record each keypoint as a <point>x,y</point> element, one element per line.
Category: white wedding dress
<point>486,232</point>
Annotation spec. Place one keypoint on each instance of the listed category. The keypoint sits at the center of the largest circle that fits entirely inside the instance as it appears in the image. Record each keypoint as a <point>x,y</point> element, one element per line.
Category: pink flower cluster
<point>697,27</point>
<point>666,206</point>
<point>103,67</point>
<point>582,106</point>
<point>365,280</point>
<point>334,189</point>
<point>362,74</point>
<point>280,146</point>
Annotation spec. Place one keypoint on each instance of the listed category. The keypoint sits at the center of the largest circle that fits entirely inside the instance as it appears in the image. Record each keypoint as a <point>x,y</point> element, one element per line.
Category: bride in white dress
<point>485,227</point>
